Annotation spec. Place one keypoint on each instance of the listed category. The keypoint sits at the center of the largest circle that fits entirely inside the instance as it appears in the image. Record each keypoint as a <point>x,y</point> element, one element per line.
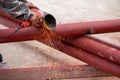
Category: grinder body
<point>48,19</point>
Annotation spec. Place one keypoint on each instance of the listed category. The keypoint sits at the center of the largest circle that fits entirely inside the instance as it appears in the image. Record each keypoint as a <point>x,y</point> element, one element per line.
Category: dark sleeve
<point>23,1</point>
<point>16,8</point>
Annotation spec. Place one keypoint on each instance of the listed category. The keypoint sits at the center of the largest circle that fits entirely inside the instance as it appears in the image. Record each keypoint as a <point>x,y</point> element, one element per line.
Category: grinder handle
<point>25,24</point>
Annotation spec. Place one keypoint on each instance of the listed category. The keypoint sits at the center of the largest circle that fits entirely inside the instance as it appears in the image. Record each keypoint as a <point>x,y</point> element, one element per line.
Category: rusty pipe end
<point>50,21</point>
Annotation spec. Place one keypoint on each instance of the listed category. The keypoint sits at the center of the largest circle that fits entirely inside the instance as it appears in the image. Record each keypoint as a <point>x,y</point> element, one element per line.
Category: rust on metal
<point>100,49</point>
<point>89,58</point>
<point>69,30</point>
<point>8,20</point>
<point>22,35</point>
<point>56,72</point>
<point>82,28</point>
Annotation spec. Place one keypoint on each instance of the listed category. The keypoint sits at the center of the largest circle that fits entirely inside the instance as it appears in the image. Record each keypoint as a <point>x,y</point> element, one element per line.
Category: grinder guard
<point>49,19</point>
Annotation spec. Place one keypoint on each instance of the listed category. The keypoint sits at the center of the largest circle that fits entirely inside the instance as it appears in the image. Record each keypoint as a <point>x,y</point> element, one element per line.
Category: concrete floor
<point>36,54</point>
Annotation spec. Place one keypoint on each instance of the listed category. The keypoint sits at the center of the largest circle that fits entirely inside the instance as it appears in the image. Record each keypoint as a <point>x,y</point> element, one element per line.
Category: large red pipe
<point>89,58</point>
<point>22,35</point>
<point>66,30</point>
<point>82,28</point>
<point>72,29</point>
<point>98,48</point>
<point>7,20</point>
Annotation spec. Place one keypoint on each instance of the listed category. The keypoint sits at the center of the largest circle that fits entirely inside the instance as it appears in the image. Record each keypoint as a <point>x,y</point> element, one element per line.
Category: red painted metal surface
<point>54,72</point>
<point>98,48</point>
<point>82,28</point>
<point>24,34</point>
<point>73,30</point>
<point>89,58</point>
<point>34,31</point>
<point>66,30</point>
<point>8,20</point>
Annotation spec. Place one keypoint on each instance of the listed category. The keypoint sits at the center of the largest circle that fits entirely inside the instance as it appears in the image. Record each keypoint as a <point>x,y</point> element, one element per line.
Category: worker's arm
<point>19,9</point>
<point>16,9</point>
<point>25,1</point>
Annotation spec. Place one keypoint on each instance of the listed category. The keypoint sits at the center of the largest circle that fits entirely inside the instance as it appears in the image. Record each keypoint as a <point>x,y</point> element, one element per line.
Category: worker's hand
<point>31,5</point>
<point>34,19</point>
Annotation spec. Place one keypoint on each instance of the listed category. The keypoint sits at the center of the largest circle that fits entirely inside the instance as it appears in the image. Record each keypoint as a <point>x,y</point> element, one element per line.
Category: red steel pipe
<point>22,35</point>
<point>66,30</point>
<point>7,20</point>
<point>82,28</point>
<point>74,29</point>
<point>98,48</point>
<point>89,58</point>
